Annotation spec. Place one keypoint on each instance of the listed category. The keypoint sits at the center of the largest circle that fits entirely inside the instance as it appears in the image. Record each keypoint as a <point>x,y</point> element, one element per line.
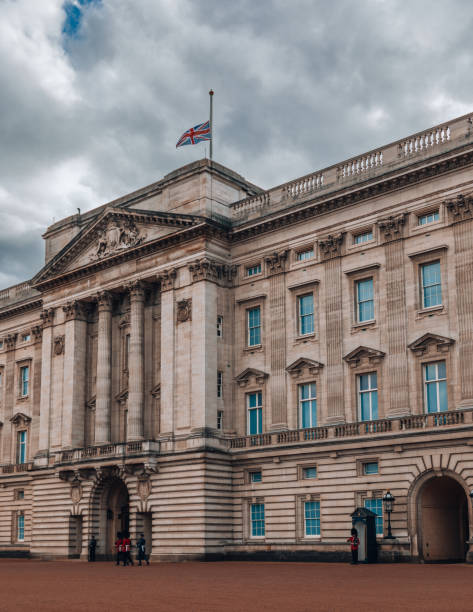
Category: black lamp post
<point>388,501</point>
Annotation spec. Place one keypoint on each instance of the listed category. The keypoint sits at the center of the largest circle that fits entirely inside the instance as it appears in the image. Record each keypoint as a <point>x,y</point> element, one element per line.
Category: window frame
<point>358,302</point>
<point>219,384</point>
<point>305,518</point>
<point>310,399</point>
<point>22,367</point>
<point>301,317</point>
<point>248,328</point>
<point>438,253</point>
<point>220,417</point>
<point>424,286</point>
<point>300,254</point>
<point>435,381</point>
<point>249,270</point>
<point>259,412</point>
<point>21,447</point>
<point>365,232</point>
<point>427,214</point>
<point>376,498</point>
<point>251,521</point>
<point>369,391</point>
<point>219,326</point>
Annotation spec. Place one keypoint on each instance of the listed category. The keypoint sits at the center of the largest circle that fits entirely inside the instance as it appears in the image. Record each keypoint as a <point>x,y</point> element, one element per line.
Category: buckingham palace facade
<point>233,370</point>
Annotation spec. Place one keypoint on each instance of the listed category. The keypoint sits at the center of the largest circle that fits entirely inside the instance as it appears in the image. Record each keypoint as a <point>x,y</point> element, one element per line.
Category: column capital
<point>136,289</point>
<point>392,228</point>
<point>167,278</point>
<point>208,269</point>
<point>47,317</point>
<point>10,341</point>
<point>75,310</point>
<point>276,262</point>
<point>461,208</point>
<point>104,300</point>
<point>37,332</point>
<point>331,246</point>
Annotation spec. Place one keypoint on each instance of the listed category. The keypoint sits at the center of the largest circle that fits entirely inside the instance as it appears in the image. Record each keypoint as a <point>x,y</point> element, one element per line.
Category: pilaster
<point>104,369</point>
<point>136,363</point>
<point>47,318</point>
<point>167,279</point>
<point>10,344</point>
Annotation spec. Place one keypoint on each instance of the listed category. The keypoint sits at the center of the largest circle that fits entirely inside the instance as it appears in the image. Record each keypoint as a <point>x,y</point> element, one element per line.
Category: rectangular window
<point>254,326</point>
<point>431,284</point>
<point>309,472</point>
<point>25,337</point>
<point>252,270</point>
<point>370,468</point>
<point>219,384</point>
<point>220,419</point>
<point>435,387</point>
<point>257,520</point>
<point>24,380</point>
<point>20,494</point>
<point>255,413</point>
<point>368,396</point>
<point>306,314</point>
<point>219,327</point>
<point>127,351</point>
<point>20,526</point>
<point>1,344</point>
<point>21,447</point>
<point>256,476</point>
<point>312,518</point>
<point>375,504</point>
<point>303,255</point>
<point>364,300</point>
<point>308,405</point>
<point>364,237</point>
<point>428,218</point>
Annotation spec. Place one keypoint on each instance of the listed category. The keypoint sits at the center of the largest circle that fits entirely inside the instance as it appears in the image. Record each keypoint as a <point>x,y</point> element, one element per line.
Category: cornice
<point>14,309</point>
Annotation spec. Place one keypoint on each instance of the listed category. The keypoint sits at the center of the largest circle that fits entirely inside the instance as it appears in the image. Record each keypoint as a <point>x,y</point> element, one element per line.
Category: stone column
<point>10,394</point>
<point>277,340</point>
<point>104,369</point>
<point>396,316</point>
<point>331,250</point>
<point>47,317</point>
<point>136,363</point>
<point>73,407</point>
<point>37,333</point>
<point>166,279</point>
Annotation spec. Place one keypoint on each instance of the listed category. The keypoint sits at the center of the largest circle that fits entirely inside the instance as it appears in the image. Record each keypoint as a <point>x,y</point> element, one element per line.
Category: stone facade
<point>233,371</point>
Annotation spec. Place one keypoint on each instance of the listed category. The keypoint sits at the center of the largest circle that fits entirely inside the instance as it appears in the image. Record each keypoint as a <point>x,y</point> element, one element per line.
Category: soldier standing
<point>126,550</point>
<point>141,546</point>
<point>92,547</point>
<point>118,548</point>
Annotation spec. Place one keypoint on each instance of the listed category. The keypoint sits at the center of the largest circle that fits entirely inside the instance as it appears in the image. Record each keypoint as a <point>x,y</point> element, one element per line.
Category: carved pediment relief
<point>370,355</point>
<point>245,377</point>
<point>122,396</point>
<point>304,365</point>
<point>431,342</point>
<point>90,404</point>
<point>20,419</point>
<point>156,391</point>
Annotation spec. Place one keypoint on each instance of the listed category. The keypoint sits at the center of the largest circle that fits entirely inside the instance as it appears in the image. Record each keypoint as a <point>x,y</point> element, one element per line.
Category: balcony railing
<point>119,449</point>
<point>359,429</point>
<point>13,468</point>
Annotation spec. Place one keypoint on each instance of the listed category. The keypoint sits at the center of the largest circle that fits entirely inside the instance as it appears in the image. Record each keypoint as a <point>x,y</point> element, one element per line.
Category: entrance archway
<point>442,520</point>
<point>110,514</point>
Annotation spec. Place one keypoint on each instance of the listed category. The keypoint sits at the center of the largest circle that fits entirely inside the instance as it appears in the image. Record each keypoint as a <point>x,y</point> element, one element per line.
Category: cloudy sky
<point>95,93</point>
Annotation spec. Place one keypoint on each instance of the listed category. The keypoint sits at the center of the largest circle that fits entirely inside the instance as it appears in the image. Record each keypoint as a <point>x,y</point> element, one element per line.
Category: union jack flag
<point>196,134</point>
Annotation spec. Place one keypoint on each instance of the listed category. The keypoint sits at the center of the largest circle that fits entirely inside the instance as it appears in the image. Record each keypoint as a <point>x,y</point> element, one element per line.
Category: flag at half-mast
<point>197,134</point>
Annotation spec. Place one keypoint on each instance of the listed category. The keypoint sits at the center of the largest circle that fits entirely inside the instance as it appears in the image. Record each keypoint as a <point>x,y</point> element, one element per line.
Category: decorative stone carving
<point>276,262</point>
<point>136,290</point>
<point>76,491</point>
<point>59,342</point>
<point>156,391</point>
<point>117,236</point>
<point>10,341</point>
<point>37,332</point>
<point>208,269</point>
<point>331,246</point>
<point>243,378</point>
<point>421,345</point>
<point>167,278</point>
<point>461,208</point>
<point>75,310</point>
<point>20,419</point>
<point>373,356</point>
<point>184,310</point>
<point>144,488</point>
<point>124,321</point>
<point>304,363</point>
<point>47,317</point>
<point>104,300</point>
<point>392,227</point>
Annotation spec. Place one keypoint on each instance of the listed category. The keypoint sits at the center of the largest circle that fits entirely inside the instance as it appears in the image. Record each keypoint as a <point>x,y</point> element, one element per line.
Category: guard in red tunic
<point>354,543</point>
<point>118,548</point>
<point>126,550</point>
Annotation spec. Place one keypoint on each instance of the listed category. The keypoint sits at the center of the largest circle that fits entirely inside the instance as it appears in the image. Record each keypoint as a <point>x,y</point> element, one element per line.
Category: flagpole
<point>211,94</point>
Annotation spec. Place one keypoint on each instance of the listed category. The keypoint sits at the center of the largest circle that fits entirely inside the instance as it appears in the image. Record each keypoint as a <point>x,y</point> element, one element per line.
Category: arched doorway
<point>110,513</point>
<point>442,520</point>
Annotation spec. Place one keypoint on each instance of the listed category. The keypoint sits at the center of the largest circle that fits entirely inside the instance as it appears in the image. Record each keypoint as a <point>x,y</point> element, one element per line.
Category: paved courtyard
<point>70,586</point>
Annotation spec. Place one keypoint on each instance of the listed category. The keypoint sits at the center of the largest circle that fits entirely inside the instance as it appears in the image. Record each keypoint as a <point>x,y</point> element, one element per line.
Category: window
<point>1,344</point>
<point>303,255</point>
<point>20,494</point>
<point>312,518</point>
<point>364,237</point>
<point>306,314</point>
<point>368,396</point>
<point>257,520</point>
<point>20,527</point>
<point>370,468</point>
<point>252,270</point>
<point>428,218</point>
<point>24,380</point>
<point>256,476</point>
<point>308,405</point>
<point>127,350</point>
<point>431,284</point>
<point>21,447</point>
<point>219,384</point>
<point>25,337</point>
<point>375,504</point>
<point>364,300</point>
<point>309,472</point>
<point>254,326</point>
<point>255,413</point>
<point>219,327</point>
<point>220,419</point>
<point>435,387</point>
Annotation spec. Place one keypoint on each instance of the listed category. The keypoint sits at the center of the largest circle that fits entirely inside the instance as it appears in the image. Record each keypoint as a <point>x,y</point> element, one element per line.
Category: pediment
<point>244,377</point>
<point>373,356</point>
<point>115,232</point>
<point>122,396</point>
<point>304,363</point>
<point>422,344</point>
<point>156,391</point>
<point>20,419</point>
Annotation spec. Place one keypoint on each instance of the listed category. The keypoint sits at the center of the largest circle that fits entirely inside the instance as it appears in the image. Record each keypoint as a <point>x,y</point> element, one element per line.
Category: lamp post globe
<point>388,501</point>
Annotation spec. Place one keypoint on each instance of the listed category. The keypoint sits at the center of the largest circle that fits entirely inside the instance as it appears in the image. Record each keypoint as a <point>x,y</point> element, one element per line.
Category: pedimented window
<point>304,366</point>
<point>364,355</point>
<point>431,343</point>
<point>251,375</point>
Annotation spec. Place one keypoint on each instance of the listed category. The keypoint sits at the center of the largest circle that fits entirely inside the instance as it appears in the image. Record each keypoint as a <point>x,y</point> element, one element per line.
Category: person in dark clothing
<point>118,548</point>
<point>126,550</point>
<point>354,543</point>
<point>92,547</point>
<point>141,549</point>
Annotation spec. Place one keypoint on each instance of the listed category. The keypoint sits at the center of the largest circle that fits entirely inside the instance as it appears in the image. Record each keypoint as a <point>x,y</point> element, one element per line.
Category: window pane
<point>431,371</point>
<point>310,472</point>
<point>257,519</point>
<point>365,407</point>
<point>376,506</point>
<point>374,405</point>
<point>364,382</point>
<point>374,380</point>
<point>370,468</point>
<point>312,518</point>
<point>443,404</point>
<point>365,289</point>
<point>432,397</point>
<point>256,477</point>
<point>366,311</point>
<point>253,416</point>
<point>442,370</point>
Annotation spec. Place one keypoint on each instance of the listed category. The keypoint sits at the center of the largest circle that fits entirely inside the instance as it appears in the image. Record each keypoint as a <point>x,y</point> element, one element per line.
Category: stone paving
<point>70,586</point>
